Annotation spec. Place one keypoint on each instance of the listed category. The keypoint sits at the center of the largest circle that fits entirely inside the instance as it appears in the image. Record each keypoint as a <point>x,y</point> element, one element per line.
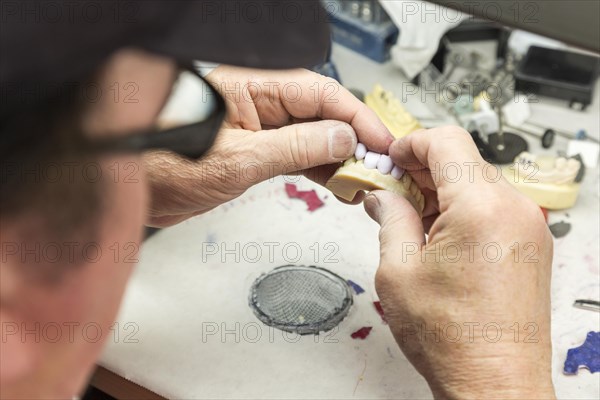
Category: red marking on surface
<point>545,212</point>
<point>291,190</point>
<point>379,309</point>
<point>362,333</point>
<point>309,196</point>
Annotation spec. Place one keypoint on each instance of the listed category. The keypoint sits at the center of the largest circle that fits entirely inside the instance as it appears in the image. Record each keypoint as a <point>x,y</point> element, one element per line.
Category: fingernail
<point>342,141</point>
<point>399,141</point>
<point>372,206</point>
<point>396,145</point>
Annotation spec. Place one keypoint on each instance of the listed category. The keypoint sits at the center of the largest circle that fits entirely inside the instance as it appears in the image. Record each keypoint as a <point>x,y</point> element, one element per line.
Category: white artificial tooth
<point>371,159</point>
<point>561,163</point>
<point>385,164</point>
<point>360,152</point>
<point>397,172</point>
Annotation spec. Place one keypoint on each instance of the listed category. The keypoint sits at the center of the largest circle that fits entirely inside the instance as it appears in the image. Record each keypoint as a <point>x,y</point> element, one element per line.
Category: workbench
<point>188,332</point>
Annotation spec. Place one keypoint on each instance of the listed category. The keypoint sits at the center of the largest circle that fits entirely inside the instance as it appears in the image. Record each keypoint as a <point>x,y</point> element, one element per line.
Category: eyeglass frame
<point>191,141</point>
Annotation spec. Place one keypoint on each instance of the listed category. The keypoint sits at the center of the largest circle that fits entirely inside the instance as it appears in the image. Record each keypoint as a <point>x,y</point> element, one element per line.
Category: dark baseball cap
<point>47,44</point>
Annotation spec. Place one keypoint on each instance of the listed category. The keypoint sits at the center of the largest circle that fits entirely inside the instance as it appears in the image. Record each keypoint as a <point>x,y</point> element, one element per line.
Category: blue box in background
<point>364,27</point>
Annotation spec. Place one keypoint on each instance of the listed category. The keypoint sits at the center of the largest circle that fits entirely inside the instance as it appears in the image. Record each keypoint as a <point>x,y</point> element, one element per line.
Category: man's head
<point>71,221</point>
<point>71,227</point>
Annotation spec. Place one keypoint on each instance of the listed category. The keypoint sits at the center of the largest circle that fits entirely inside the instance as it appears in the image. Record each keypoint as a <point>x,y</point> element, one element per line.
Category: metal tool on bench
<point>574,23</point>
<point>592,305</point>
<point>504,146</point>
<point>469,102</point>
<point>300,299</point>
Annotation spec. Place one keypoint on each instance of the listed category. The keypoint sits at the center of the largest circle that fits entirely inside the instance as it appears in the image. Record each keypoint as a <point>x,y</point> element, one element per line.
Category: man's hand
<point>278,122</point>
<point>470,307</point>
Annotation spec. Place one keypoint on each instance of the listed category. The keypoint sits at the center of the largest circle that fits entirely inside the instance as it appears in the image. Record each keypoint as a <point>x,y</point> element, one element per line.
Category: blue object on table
<point>586,355</point>
<point>581,134</point>
<point>372,40</point>
<point>356,287</point>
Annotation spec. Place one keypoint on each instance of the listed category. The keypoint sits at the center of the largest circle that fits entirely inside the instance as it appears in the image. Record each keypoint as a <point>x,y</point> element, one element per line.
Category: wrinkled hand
<point>278,122</point>
<point>471,307</point>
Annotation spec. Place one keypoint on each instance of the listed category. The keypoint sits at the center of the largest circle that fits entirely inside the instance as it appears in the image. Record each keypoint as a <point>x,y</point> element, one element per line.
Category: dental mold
<point>369,170</point>
<point>353,176</point>
<point>549,181</point>
<point>546,169</point>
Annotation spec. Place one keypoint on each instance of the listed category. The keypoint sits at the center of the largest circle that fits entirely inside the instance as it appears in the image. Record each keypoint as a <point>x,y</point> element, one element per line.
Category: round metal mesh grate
<point>301,299</point>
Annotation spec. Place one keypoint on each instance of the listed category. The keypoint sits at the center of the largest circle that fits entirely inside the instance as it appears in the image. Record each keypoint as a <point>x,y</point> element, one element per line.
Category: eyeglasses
<point>183,124</point>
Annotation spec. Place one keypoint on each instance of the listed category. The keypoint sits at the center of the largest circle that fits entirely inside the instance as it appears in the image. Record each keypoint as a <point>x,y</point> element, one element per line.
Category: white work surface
<point>197,337</point>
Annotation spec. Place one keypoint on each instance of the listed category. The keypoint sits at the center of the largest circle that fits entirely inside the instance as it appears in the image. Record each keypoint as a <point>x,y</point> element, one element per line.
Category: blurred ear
<point>17,356</point>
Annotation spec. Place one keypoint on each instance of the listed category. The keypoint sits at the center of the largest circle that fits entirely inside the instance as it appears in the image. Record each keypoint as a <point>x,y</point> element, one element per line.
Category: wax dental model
<point>549,181</point>
<point>368,170</point>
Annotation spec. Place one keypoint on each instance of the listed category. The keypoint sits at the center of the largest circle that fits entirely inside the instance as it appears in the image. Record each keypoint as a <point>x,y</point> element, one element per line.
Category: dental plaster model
<point>549,181</point>
<point>368,170</point>
<point>391,112</point>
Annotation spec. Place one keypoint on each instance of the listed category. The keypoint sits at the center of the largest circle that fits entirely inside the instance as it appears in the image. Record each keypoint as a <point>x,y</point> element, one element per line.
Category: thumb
<point>401,233</point>
<point>301,146</point>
